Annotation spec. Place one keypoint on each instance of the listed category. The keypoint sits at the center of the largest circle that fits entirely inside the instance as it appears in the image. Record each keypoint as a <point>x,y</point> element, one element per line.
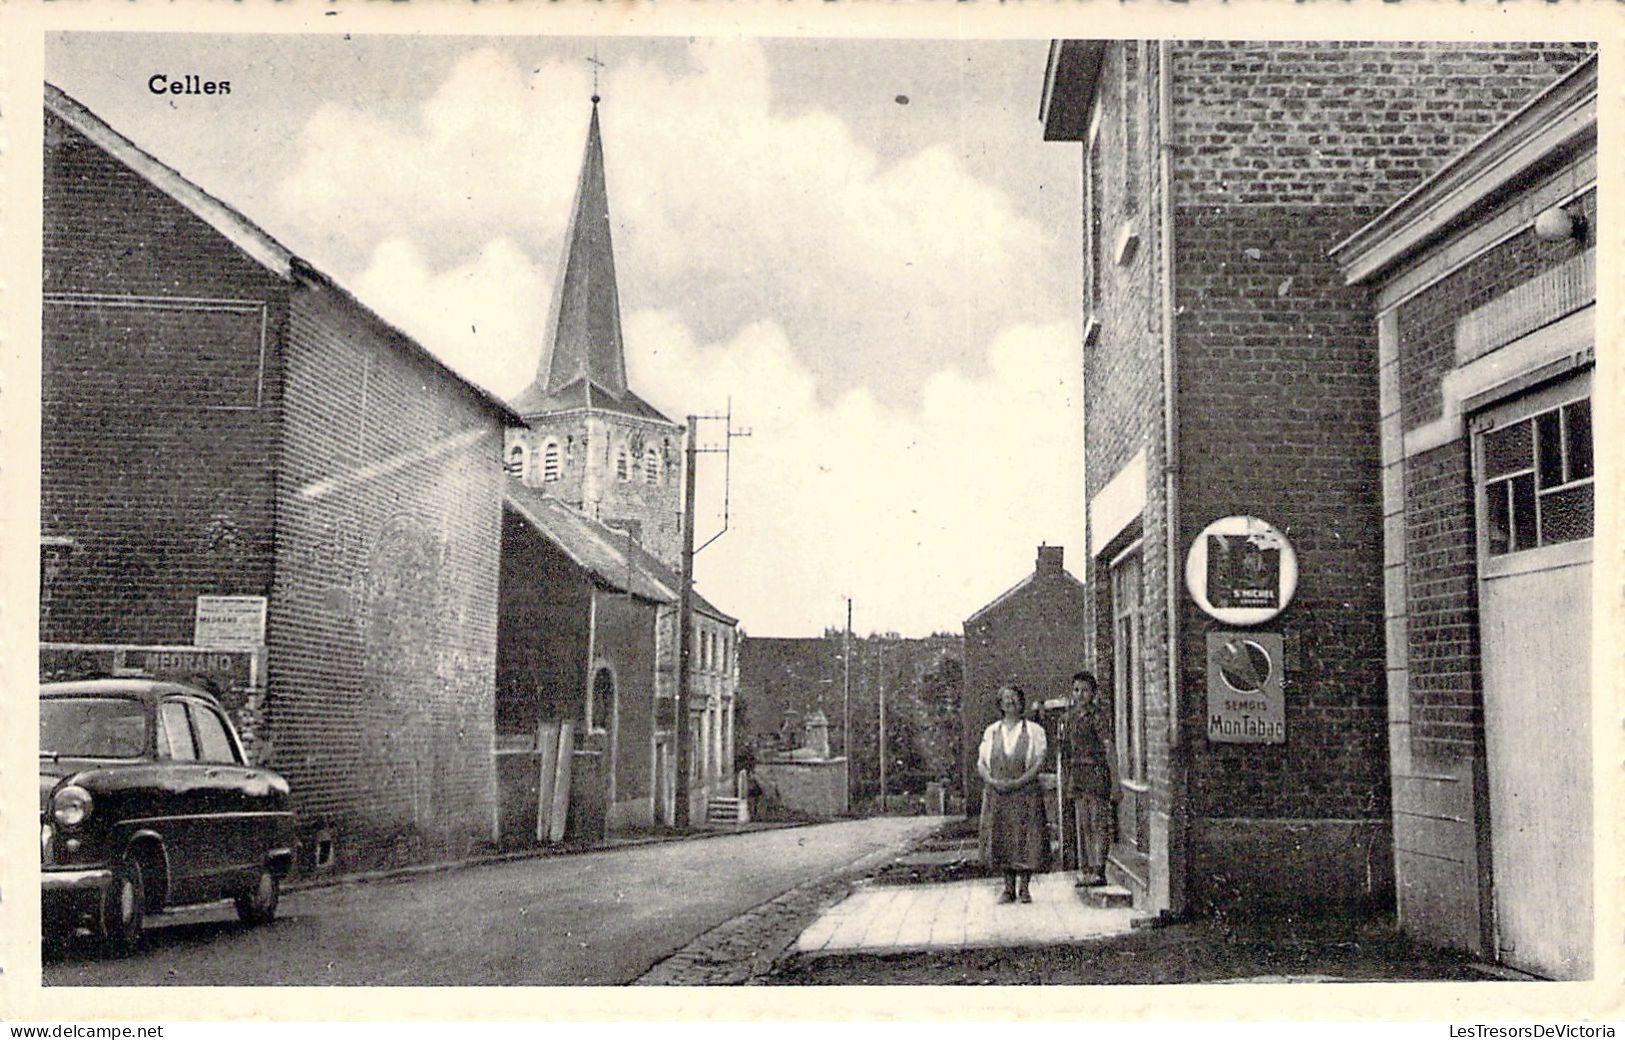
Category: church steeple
<point>584,364</point>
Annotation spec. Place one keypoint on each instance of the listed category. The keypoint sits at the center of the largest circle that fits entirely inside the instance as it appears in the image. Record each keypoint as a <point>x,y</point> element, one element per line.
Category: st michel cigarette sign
<point>1241,570</point>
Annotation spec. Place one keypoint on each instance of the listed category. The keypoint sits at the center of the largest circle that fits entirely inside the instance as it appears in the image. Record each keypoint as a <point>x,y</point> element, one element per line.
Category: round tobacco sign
<point>1241,570</point>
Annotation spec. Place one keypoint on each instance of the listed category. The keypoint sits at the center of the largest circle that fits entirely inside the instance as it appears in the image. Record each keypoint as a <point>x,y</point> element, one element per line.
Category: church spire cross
<point>596,65</point>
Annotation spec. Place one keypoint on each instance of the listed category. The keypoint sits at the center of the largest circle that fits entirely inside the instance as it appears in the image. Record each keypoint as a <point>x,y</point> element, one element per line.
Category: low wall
<point>812,788</point>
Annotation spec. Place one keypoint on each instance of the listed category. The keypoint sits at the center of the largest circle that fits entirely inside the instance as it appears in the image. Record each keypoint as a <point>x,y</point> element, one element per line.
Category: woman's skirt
<point>1014,834</point>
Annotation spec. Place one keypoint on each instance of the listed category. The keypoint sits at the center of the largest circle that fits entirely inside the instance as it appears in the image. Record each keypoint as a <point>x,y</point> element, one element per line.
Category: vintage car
<point>147,803</point>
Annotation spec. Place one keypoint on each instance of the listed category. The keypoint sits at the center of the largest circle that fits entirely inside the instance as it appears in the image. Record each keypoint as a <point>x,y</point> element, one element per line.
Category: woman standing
<point>1014,836</point>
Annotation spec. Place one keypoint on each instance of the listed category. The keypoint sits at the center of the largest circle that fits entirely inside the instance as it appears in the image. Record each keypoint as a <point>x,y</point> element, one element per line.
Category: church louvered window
<point>516,460</point>
<point>651,465</point>
<point>551,462</point>
<point>623,464</point>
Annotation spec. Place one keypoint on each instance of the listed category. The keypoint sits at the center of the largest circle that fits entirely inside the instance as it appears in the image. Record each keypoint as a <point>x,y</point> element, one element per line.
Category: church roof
<point>584,365</point>
<point>585,394</point>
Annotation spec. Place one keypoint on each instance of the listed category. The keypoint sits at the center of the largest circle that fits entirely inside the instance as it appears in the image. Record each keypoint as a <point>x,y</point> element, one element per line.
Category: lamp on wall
<point>1556,225</point>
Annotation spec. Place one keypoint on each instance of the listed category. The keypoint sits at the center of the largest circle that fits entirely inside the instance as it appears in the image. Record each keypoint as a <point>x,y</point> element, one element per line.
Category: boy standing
<point>1091,775</point>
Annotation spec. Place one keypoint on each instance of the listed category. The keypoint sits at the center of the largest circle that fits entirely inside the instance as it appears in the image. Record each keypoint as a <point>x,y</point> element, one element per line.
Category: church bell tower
<point>593,442</point>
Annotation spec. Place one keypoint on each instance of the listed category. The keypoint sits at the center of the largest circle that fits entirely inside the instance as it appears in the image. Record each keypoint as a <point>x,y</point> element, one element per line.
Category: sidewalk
<point>932,918</point>
<point>884,919</point>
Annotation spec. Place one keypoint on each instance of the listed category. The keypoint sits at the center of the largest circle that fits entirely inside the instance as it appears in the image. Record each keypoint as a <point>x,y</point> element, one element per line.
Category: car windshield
<point>92,727</point>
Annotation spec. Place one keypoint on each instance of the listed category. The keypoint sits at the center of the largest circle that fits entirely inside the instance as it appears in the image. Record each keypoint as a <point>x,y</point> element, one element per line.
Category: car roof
<point>132,687</point>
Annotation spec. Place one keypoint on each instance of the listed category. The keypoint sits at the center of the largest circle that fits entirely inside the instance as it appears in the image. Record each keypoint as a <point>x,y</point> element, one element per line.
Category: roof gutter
<point>1179,823</point>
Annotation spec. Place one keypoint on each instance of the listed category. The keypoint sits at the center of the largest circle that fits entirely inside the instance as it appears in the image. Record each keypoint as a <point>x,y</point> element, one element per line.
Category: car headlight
<point>71,805</point>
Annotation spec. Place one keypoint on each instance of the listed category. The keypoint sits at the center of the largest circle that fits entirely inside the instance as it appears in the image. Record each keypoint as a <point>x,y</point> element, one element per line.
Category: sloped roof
<point>609,555</point>
<point>584,365</point>
<point>1016,590</point>
<point>243,233</point>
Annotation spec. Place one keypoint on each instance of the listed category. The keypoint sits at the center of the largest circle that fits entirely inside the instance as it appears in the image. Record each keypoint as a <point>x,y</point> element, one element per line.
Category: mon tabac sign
<point>1244,700</point>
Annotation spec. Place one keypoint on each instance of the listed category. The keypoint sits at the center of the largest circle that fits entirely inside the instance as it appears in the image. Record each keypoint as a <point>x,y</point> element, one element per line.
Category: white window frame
<point>1498,416</point>
<point>1127,575</point>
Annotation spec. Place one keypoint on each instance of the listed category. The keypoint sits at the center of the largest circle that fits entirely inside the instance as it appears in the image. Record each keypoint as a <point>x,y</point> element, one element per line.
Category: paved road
<point>600,918</point>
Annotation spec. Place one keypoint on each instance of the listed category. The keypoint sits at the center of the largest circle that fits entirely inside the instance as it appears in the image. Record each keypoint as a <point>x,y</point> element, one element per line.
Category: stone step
<point>724,810</point>
<point>1106,897</point>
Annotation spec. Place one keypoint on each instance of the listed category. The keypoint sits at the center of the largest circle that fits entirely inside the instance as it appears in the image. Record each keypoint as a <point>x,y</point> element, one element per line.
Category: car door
<point>226,800</point>
<point>179,804</point>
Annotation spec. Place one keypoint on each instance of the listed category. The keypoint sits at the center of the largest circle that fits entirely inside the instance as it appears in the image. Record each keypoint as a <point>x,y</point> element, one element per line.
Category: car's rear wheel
<point>124,909</point>
<point>258,904</point>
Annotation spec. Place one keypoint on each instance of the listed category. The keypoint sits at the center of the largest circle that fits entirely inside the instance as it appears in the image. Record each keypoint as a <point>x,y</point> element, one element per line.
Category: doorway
<point>1532,462</point>
<point>1128,696</point>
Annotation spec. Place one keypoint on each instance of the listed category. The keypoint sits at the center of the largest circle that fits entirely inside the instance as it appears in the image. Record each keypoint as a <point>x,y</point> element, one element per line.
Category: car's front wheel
<point>258,904</point>
<point>123,909</point>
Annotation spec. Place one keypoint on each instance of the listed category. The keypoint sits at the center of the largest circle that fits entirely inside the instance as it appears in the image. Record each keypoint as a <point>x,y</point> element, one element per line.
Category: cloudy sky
<point>866,245</point>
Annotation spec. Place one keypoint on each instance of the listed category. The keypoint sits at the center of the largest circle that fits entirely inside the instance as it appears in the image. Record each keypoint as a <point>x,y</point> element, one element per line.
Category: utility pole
<point>685,625</point>
<point>846,701</point>
<point>685,596</point>
<point>882,649</point>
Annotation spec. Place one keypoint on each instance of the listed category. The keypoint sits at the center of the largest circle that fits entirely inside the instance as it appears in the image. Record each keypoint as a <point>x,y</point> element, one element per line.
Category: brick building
<point>1033,635</point>
<point>1228,373</point>
<point>221,419</point>
<point>594,445</point>
<point>1485,283</point>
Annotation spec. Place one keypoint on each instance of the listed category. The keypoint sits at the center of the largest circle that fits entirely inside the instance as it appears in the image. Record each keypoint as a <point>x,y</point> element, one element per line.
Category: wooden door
<point>1533,477</point>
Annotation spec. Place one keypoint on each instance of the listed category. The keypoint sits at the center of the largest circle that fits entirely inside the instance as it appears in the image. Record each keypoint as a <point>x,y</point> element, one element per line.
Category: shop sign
<point>229,622</point>
<point>1244,700</point>
<point>1241,570</point>
<point>226,669</point>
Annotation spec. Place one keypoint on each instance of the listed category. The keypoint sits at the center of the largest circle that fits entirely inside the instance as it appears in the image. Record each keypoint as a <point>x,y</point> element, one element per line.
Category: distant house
<point>225,428</point>
<point>1485,329</point>
<point>1033,636</point>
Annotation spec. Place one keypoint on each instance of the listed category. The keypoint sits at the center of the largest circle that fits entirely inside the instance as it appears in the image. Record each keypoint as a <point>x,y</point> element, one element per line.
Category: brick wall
<point>1283,149</point>
<point>625,636</point>
<point>158,413</point>
<point>383,623</point>
<point>1440,535</point>
<point>1427,324</point>
<point>1123,395</point>
<point>1344,123</point>
<point>1278,415</point>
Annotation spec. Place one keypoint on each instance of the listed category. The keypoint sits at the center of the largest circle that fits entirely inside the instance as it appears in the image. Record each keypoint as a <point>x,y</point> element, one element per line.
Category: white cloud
<point>921,516</point>
<point>482,316</point>
<point>725,206</point>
